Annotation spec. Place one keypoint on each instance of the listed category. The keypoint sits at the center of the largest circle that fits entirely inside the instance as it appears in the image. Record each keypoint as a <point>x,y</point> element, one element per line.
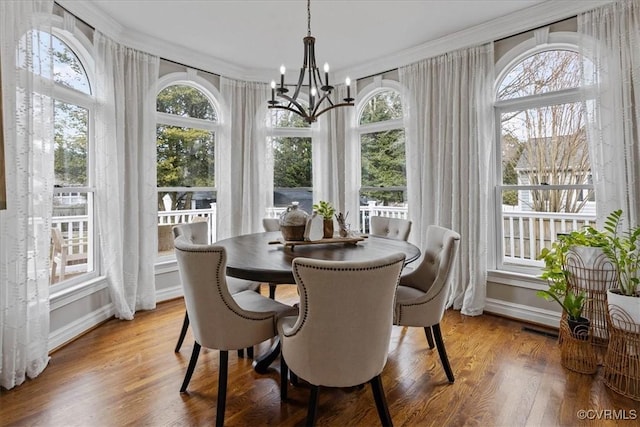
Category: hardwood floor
<point>125,373</point>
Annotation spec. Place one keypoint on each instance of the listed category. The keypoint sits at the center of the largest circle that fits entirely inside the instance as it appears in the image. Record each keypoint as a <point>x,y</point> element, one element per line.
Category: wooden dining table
<point>264,257</point>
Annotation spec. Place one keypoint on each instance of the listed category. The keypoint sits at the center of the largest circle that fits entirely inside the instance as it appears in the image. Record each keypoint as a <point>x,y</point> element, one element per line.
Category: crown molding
<point>514,23</point>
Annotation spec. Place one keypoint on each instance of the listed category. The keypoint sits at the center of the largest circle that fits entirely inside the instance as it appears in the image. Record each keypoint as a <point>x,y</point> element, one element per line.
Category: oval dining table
<point>262,257</point>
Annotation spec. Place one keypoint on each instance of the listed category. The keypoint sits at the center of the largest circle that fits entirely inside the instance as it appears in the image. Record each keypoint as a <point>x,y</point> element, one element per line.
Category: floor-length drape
<point>26,224</point>
<point>332,173</point>
<point>125,165</point>
<point>610,40</point>
<point>243,186</point>
<point>449,124</point>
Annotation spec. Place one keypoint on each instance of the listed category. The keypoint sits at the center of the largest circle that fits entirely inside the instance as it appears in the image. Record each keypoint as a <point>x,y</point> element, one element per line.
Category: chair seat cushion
<point>239,285</point>
<point>252,301</point>
<point>406,294</point>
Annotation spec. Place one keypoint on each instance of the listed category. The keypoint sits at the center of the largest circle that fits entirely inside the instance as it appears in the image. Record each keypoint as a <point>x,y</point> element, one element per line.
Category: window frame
<point>78,43</point>
<point>214,97</point>
<point>379,85</point>
<point>567,41</point>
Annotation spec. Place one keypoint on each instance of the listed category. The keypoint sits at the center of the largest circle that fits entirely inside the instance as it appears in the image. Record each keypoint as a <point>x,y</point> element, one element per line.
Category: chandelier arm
<point>300,109</point>
<point>299,85</point>
<point>342,104</point>
<point>293,110</point>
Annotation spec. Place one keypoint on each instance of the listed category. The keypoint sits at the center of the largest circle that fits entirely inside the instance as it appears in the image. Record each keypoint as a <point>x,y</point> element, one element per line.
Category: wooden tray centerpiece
<point>333,240</point>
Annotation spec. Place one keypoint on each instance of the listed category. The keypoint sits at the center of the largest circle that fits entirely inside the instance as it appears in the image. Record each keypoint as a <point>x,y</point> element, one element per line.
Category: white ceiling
<point>263,34</point>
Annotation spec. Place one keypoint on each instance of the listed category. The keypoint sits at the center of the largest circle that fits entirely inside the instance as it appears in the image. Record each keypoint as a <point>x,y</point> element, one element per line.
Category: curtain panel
<point>610,43</point>
<point>333,175</point>
<point>26,224</point>
<point>242,178</point>
<point>449,121</point>
<point>125,166</point>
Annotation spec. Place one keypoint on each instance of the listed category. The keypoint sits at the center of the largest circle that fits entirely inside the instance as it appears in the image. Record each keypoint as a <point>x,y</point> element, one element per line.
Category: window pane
<point>525,232</point>
<point>382,106</point>
<point>72,246</point>
<point>67,68</point>
<point>185,101</point>
<point>292,179</point>
<point>546,146</point>
<point>383,164</point>
<point>185,157</point>
<point>71,130</point>
<point>542,72</point>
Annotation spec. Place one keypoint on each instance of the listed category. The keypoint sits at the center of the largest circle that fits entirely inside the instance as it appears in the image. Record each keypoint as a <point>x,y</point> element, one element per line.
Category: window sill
<point>511,278</point>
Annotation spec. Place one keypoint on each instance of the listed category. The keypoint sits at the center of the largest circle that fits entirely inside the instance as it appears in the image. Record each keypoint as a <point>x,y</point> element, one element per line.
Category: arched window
<point>289,137</point>
<point>544,187</point>
<point>187,122</point>
<point>73,242</point>
<point>383,178</point>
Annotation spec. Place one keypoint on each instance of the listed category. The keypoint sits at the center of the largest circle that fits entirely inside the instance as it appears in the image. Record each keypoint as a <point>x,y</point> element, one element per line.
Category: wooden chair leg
<point>427,332</point>
<point>437,334</point>
<point>250,352</point>
<point>183,332</point>
<point>284,379</point>
<point>313,406</point>
<point>381,401</point>
<point>272,290</point>
<point>241,352</point>
<point>192,366</point>
<point>222,387</point>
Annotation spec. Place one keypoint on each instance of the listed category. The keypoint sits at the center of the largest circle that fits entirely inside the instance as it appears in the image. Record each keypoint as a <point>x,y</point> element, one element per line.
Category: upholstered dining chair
<point>341,336</point>
<point>197,232</point>
<point>391,228</point>
<point>219,320</point>
<point>422,294</point>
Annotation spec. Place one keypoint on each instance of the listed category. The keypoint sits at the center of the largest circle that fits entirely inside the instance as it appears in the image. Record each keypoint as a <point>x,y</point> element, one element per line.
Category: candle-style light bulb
<point>326,74</point>
<point>282,70</point>
<point>273,90</point>
<point>348,83</point>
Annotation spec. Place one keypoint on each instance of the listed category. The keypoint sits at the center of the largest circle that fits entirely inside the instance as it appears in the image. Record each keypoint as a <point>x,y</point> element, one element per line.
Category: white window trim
<point>541,41</point>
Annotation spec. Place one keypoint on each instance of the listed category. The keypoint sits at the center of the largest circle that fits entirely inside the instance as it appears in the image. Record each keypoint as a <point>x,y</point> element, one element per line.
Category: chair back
<point>391,228</point>
<point>195,232</point>
<point>433,276</point>
<point>57,240</point>
<point>217,320</point>
<point>341,337</point>
<point>271,224</point>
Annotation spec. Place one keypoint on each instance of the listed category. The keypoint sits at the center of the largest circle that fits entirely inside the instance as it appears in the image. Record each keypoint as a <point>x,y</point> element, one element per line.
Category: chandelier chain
<point>308,17</point>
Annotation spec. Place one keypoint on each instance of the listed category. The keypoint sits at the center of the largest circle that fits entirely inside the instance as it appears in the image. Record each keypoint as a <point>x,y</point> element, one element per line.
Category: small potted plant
<point>326,211</point>
<point>556,274</point>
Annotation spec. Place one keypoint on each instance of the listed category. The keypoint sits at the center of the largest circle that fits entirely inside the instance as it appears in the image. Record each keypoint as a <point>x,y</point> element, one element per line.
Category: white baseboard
<point>523,312</point>
<point>79,326</point>
<point>169,293</point>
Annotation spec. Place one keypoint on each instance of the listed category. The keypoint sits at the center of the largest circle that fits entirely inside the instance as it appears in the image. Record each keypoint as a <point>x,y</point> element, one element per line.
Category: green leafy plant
<point>623,250</point>
<point>556,275</point>
<point>324,209</point>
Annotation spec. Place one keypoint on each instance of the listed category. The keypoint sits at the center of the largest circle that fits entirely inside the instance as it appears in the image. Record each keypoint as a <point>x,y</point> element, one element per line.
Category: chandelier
<point>317,90</point>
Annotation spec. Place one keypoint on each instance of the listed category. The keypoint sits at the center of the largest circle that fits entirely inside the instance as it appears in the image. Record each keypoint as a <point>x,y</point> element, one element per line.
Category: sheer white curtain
<point>241,177</point>
<point>126,196</point>
<point>449,124</point>
<point>610,38</point>
<point>26,224</point>
<point>332,139</point>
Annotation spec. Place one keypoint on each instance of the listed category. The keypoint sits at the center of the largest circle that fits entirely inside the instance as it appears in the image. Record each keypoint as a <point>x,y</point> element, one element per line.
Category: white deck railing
<point>524,233</point>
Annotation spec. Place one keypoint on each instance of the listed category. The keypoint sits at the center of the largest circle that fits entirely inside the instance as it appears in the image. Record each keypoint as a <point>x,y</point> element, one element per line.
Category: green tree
<point>185,155</point>
<point>383,153</point>
<point>292,162</point>
<point>70,144</point>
